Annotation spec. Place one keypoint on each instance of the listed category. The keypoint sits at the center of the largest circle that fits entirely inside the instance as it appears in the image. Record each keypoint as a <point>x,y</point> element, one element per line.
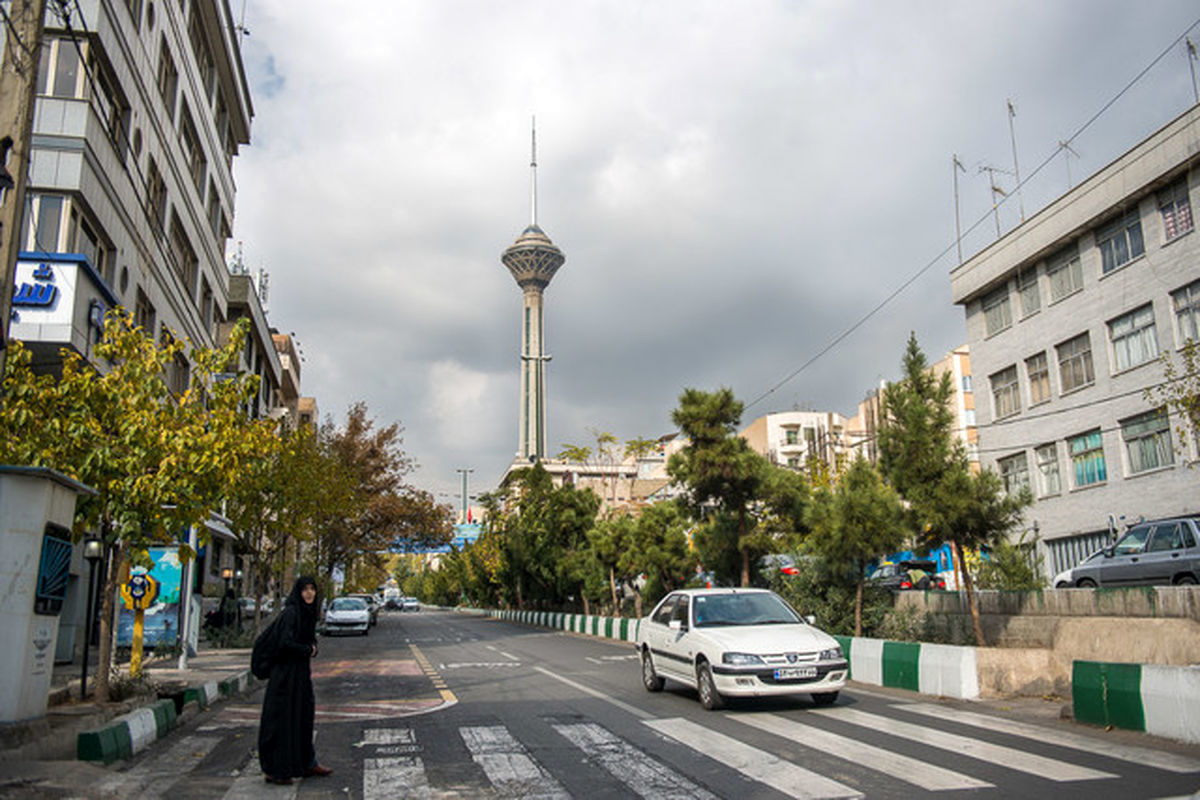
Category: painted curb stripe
<point>1170,699</point>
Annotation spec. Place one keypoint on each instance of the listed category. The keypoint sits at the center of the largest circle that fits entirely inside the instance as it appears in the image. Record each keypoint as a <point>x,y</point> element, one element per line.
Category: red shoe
<point>317,772</point>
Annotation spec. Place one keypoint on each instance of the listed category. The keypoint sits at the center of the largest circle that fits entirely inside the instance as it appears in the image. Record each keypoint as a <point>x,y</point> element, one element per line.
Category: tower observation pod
<point>533,259</point>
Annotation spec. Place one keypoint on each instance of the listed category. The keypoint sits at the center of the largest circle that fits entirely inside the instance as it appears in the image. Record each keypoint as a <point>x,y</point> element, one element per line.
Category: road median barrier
<point>128,734</point>
<point>1156,699</point>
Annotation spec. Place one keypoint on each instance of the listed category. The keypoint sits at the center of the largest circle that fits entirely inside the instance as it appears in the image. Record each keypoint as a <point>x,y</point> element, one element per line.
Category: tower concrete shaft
<point>533,259</point>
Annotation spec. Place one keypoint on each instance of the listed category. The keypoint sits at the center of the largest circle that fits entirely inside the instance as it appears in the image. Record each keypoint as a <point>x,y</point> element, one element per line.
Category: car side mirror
<point>810,619</point>
<point>1108,551</point>
<point>677,625</point>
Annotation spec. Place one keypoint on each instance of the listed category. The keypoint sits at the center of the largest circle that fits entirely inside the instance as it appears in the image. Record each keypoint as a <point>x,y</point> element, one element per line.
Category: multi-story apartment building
<point>798,438</point>
<point>1067,316</point>
<point>140,110</point>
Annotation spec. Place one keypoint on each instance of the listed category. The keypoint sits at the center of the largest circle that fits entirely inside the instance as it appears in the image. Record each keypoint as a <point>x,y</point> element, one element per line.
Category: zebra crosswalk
<point>810,753</point>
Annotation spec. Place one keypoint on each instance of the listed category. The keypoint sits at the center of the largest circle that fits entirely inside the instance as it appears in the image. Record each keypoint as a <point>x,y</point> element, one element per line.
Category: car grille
<point>785,659</point>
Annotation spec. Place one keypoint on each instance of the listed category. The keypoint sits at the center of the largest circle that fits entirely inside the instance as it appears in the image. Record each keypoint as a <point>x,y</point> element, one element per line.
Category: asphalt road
<point>439,705</point>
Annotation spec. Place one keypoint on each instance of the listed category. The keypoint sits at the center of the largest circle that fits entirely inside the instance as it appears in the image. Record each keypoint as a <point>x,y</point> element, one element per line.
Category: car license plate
<point>788,673</point>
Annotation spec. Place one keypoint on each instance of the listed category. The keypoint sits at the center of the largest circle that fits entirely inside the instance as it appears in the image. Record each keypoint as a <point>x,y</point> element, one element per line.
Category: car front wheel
<point>650,678</point>
<point>710,698</point>
<point>1185,580</point>
<point>1085,583</point>
<point>825,698</point>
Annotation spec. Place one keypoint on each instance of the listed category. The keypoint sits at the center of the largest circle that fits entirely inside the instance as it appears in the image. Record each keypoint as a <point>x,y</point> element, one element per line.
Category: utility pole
<point>957,165</point>
<point>23,25</point>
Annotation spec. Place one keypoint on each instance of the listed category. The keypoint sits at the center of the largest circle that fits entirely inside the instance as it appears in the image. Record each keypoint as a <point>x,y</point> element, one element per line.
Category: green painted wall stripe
<point>901,665</point>
<point>1108,694</point>
<point>844,641</point>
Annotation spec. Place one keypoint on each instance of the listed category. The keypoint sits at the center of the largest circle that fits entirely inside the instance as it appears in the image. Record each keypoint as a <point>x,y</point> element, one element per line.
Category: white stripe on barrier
<point>143,728</point>
<point>866,660</point>
<point>947,670</point>
<point>1170,699</point>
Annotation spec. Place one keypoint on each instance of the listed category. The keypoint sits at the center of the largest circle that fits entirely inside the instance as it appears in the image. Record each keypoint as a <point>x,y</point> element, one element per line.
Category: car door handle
<point>1134,559</point>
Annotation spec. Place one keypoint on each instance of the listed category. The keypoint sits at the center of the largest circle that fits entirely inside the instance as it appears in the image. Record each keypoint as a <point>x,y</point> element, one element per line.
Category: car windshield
<point>755,608</point>
<point>1132,542</point>
<point>348,604</point>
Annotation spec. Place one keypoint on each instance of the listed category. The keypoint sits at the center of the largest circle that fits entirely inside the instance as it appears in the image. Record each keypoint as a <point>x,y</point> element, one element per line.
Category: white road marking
<point>509,656</point>
<point>637,712</point>
<point>251,786</point>
<point>161,769</point>
<point>389,778</point>
<point>509,767</point>
<point>783,776</point>
<point>1171,762</point>
<point>387,736</point>
<point>478,664</point>
<point>645,776</point>
<point>900,767</point>
<point>1007,757</point>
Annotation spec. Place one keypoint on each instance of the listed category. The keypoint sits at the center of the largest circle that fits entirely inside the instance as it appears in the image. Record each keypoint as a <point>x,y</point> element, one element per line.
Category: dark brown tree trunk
<point>858,603</point>
<point>742,545</point>
<point>612,585</point>
<point>972,601</point>
<point>105,656</point>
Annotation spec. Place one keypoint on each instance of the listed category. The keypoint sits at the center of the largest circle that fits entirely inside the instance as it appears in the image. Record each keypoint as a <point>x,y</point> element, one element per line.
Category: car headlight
<point>832,654</point>
<point>740,659</point>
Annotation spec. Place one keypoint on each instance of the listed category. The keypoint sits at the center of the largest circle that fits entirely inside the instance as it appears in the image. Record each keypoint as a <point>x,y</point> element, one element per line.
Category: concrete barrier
<point>127,735</point>
<point>1159,700</point>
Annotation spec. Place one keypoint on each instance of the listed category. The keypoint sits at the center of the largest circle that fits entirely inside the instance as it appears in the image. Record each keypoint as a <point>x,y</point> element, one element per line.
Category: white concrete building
<point>1067,316</point>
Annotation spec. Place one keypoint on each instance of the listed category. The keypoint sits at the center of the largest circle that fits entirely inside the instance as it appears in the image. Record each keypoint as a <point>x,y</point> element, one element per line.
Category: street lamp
<point>93,551</point>
<point>227,576</point>
<point>237,576</point>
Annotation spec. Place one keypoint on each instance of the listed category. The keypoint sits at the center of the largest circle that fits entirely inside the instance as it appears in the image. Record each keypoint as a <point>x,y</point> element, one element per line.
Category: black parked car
<point>910,574</point>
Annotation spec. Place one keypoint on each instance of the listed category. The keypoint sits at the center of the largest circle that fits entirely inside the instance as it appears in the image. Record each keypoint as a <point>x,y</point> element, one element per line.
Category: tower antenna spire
<point>533,170</point>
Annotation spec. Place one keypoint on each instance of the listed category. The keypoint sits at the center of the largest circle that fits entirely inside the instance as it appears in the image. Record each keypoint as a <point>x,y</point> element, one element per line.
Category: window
<point>968,385</point>
<point>1028,293</point>
<point>791,436</point>
<point>201,51</point>
<point>143,313</point>
<point>1148,441</point>
<point>1075,363</point>
<point>43,221</point>
<point>177,375</point>
<point>793,462</point>
<point>1134,340</point>
<point>1047,466</point>
<point>1014,473</point>
<point>186,263</point>
<point>1175,209</point>
<point>206,304</point>
<point>1006,399</point>
<point>168,78</point>
<point>108,101</point>
<point>1187,312</point>
<point>83,237</point>
<point>969,417</point>
<point>1167,536</point>
<point>135,11</point>
<point>1065,273</point>
<point>1037,370</point>
<point>1087,458</point>
<point>59,70</point>
<point>997,313</point>
<point>156,198</point>
<point>193,153</point>
<point>1120,242</point>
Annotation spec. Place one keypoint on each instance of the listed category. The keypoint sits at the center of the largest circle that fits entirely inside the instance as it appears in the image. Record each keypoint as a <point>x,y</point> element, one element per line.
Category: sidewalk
<point>32,754</point>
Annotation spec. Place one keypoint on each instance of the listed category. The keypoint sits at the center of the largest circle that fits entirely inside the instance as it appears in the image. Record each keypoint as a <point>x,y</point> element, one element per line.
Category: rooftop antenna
<point>1012,113</point>
<point>264,285</point>
<point>996,190</point>
<point>1192,58</point>
<point>956,166</point>
<point>1067,158</point>
<point>238,267</point>
<point>533,171</point>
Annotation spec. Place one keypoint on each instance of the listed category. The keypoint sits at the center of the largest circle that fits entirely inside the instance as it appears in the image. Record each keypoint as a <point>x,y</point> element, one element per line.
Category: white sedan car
<point>347,615</point>
<point>738,643</point>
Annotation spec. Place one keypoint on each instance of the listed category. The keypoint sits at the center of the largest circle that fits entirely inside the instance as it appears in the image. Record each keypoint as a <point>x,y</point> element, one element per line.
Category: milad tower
<point>533,259</point>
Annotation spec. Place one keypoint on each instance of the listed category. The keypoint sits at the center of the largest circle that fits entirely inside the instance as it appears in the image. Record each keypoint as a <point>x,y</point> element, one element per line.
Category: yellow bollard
<point>135,655</point>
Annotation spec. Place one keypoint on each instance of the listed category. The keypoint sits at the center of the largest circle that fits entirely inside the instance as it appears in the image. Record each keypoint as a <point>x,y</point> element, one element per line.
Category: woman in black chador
<point>285,734</point>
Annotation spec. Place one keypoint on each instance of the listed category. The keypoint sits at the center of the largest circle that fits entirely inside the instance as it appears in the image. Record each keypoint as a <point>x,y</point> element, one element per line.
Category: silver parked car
<point>1166,551</point>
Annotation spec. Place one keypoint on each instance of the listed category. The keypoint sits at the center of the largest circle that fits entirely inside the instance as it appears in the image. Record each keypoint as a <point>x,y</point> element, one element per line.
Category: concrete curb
<point>622,629</point>
<point>129,734</point>
<point>1158,700</point>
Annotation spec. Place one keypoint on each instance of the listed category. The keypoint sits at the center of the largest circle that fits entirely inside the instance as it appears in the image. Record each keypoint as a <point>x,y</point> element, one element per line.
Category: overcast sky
<point>734,185</point>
